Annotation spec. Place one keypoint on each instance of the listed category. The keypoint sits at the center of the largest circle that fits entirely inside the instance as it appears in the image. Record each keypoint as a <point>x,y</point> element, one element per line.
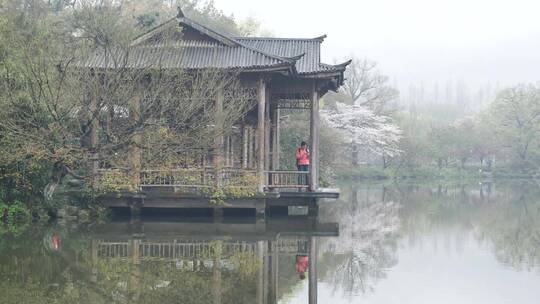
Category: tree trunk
<point>354,154</point>
<point>58,173</point>
<point>481,162</point>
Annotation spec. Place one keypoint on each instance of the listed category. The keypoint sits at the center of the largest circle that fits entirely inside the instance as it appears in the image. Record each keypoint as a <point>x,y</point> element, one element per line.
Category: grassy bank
<point>425,173</point>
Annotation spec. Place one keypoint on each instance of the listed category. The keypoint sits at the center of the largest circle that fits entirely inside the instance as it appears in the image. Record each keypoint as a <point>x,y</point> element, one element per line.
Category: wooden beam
<point>314,138</point>
<point>261,130</point>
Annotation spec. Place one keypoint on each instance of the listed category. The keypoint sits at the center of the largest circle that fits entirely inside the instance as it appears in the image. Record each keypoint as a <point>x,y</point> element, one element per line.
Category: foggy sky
<point>477,41</point>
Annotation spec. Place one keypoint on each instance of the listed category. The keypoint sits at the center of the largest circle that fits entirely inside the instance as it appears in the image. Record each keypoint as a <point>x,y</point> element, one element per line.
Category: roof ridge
<point>319,38</point>
<point>280,58</point>
<point>161,26</point>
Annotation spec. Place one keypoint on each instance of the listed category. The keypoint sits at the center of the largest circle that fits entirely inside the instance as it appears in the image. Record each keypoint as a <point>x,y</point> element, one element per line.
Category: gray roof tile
<point>219,51</point>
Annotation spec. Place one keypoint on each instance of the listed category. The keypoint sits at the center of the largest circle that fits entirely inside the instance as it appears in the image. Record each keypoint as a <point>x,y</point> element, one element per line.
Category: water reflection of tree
<point>512,227</point>
<point>504,216</point>
<point>33,273</point>
<point>366,247</point>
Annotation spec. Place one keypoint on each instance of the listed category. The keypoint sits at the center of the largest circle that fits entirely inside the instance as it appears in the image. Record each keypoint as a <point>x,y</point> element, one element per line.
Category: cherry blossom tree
<point>361,126</point>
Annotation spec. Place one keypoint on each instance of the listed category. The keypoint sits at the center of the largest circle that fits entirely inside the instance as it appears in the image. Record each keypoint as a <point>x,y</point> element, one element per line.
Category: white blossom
<point>361,126</point>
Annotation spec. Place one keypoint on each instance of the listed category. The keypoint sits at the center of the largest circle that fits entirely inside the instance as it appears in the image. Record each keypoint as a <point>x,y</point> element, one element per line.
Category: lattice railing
<point>199,177</point>
<point>182,249</point>
<point>288,179</point>
<point>206,178</point>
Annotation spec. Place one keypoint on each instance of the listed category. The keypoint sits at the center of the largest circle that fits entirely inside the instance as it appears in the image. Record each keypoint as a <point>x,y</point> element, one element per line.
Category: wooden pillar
<point>216,274</point>
<point>312,273</point>
<point>94,260</point>
<point>227,151</point>
<point>261,132</point>
<point>244,132</point>
<point>273,263</point>
<point>135,157</point>
<point>254,147</point>
<point>231,150</point>
<point>249,139</point>
<point>275,138</point>
<point>135,274</point>
<point>267,132</point>
<point>94,137</point>
<point>219,138</point>
<point>314,138</point>
<point>263,270</point>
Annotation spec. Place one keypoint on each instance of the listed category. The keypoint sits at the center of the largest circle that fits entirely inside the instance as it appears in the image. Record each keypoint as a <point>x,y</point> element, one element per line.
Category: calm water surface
<point>395,244</point>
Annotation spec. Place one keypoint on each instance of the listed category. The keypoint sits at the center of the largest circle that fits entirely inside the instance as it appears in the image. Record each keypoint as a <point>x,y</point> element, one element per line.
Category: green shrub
<point>17,212</point>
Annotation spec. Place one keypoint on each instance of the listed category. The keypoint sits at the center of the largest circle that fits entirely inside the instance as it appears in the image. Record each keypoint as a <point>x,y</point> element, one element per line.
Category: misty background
<point>425,47</point>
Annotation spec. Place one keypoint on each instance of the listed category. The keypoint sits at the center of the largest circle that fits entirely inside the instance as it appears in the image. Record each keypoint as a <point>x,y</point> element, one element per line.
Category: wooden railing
<point>199,178</point>
<point>183,249</point>
<point>288,179</point>
<point>231,177</point>
<point>207,178</point>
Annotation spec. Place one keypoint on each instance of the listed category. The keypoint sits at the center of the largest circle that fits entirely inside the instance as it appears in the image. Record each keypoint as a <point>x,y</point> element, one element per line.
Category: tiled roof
<point>310,62</point>
<point>185,56</point>
<point>300,56</point>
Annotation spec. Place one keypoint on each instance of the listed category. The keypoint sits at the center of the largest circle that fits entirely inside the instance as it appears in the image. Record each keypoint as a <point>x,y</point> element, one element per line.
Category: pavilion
<point>283,73</point>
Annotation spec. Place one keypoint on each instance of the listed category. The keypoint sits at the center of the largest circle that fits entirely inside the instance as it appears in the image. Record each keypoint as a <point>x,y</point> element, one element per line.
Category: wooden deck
<point>163,199</point>
<point>192,188</point>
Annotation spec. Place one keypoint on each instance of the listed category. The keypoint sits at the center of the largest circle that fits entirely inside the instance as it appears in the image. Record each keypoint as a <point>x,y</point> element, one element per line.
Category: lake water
<point>391,243</point>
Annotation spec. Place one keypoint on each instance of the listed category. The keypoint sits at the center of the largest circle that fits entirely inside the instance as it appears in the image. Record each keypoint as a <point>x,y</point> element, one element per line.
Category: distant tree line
<point>504,134</point>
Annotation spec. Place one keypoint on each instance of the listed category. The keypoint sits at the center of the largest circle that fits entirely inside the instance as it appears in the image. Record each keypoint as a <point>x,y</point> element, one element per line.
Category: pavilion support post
<point>135,156</point>
<point>274,266</point>
<point>245,134</point>
<point>135,274</point>
<point>94,139</point>
<point>314,138</point>
<point>267,133</point>
<point>312,273</point>
<point>261,132</point>
<point>219,138</point>
<point>94,260</point>
<point>216,274</point>
<point>275,138</point>
<point>231,151</point>
<point>263,270</point>
<point>254,147</point>
<point>249,139</point>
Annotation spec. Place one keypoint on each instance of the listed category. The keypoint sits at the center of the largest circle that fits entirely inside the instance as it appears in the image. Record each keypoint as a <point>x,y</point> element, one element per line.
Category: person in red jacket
<point>302,157</point>
<point>302,161</point>
<point>301,265</point>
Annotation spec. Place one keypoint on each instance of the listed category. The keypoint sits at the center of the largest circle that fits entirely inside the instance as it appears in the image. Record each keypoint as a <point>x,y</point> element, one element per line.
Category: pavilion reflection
<point>217,252</point>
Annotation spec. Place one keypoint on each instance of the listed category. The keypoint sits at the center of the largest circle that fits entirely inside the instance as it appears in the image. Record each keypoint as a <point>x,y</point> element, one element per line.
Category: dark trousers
<point>302,179</point>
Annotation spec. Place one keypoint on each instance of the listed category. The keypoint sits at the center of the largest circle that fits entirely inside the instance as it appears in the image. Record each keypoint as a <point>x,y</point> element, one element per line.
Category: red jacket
<point>302,263</point>
<point>302,156</point>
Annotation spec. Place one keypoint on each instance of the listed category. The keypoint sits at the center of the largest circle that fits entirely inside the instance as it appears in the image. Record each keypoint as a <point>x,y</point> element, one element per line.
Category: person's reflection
<point>301,265</point>
<point>55,242</point>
